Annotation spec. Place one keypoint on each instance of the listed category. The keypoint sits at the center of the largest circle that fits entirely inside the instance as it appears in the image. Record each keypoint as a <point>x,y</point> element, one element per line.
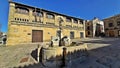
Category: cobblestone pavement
<point>103,53</point>
<point>11,56</point>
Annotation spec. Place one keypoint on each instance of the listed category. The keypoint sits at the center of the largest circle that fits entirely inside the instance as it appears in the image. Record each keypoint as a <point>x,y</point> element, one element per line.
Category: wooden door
<point>111,33</point>
<point>37,36</point>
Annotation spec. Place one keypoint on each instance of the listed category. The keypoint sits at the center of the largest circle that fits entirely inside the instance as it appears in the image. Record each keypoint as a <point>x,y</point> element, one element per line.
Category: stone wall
<point>54,56</point>
<point>112,26</point>
<point>20,25</point>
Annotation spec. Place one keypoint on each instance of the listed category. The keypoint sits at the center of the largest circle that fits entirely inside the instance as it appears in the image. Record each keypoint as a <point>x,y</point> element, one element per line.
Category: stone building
<point>89,29</point>
<point>112,26</point>
<point>28,24</point>
<point>1,34</point>
<point>94,28</point>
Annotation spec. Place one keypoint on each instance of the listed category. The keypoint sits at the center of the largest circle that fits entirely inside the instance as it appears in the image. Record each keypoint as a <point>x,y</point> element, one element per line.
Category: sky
<point>84,9</point>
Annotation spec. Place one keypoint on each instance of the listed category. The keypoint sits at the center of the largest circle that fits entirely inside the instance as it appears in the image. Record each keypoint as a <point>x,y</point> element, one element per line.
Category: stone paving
<point>13,56</point>
<point>103,53</point>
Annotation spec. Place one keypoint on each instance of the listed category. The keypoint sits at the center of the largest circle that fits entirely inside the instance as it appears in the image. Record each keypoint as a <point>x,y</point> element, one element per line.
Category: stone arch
<point>50,15</point>
<point>20,9</point>
<point>60,18</point>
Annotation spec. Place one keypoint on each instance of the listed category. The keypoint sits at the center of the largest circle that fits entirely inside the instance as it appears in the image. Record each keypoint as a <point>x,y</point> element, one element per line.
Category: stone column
<point>78,23</point>
<point>56,20</point>
<point>44,17</point>
<point>84,28</point>
<point>30,15</point>
<point>72,22</point>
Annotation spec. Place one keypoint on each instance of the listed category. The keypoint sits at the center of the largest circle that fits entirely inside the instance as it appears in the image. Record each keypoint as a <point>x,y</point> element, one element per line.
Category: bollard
<point>41,55</point>
<point>38,52</point>
<point>64,57</point>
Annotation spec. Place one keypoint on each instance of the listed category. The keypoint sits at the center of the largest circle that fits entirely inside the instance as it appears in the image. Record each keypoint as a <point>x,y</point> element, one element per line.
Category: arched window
<point>75,20</point>
<point>110,24</point>
<point>88,32</point>
<point>22,19</point>
<point>50,16</point>
<point>37,13</point>
<point>18,19</point>
<point>22,10</point>
<point>15,19</point>
<point>68,19</point>
<point>81,21</point>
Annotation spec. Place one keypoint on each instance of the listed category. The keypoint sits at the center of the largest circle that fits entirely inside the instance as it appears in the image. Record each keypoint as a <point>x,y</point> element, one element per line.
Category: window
<point>88,23</point>
<point>68,19</point>
<point>50,16</point>
<point>88,28</point>
<point>88,32</point>
<point>71,35</point>
<point>75,21</point>
<point>27,20</point>
<point>15,18</point>
<point>118,23</point>
<point>22,10</point>
<point>18,19</point>
<point>81,35</point>
<point>81,21</point>
<point>36,13</point>
<point>110,24</point>
<point>22,19</point>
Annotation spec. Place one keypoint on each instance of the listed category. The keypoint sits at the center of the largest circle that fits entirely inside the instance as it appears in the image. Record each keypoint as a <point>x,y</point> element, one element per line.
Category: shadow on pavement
<point>103,57</point>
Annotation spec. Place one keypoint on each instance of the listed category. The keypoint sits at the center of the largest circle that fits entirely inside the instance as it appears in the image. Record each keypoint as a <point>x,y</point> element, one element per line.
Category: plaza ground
<point>103,53</point>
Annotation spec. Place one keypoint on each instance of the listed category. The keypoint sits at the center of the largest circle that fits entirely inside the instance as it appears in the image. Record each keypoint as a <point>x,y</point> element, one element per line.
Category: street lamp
<point>60,29</point>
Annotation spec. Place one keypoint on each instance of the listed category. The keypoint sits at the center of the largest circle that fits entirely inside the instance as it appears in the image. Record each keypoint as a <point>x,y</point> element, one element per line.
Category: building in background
<point>89,28</point>
<point>28,24</point>
<point>112,26</point>
<point>1,34</point>
<point>94,28</point>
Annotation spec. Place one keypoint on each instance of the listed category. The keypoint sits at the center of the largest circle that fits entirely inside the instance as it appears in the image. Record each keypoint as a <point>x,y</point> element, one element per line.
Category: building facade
<point>112,26</point>
<point>29,24</point>
<point>89,29</point>
<point>94,28</point>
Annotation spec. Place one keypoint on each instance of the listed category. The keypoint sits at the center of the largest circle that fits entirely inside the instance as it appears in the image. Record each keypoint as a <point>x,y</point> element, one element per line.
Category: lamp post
<point>60,30</point>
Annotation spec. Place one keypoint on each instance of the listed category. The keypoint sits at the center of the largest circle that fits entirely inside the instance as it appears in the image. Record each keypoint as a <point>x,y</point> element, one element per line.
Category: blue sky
<point>85,9</point>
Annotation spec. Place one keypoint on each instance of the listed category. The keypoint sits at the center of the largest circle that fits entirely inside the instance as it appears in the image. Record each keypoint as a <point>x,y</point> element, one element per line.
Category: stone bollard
<point>42,55</point>
<point>64,57</point>
<point>38,53</point>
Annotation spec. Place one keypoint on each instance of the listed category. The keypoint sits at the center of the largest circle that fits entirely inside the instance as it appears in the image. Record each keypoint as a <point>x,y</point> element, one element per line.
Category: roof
<point>111,16</point>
